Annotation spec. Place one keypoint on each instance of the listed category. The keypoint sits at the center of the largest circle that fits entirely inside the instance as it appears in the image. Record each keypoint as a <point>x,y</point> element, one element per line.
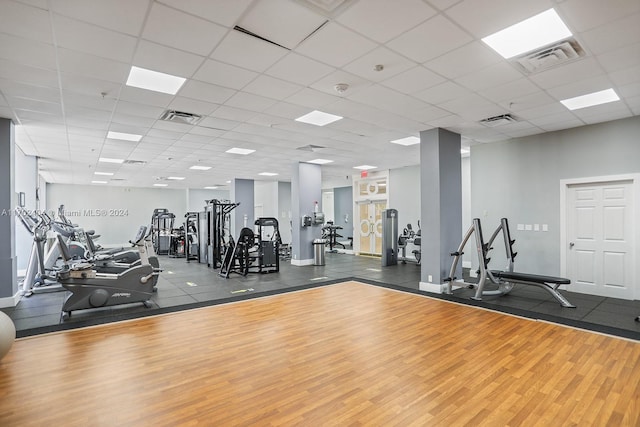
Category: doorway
<point>599,235</point>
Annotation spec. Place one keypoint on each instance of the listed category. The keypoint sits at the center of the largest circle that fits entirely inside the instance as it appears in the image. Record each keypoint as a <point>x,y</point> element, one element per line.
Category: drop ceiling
<point>64,64</point>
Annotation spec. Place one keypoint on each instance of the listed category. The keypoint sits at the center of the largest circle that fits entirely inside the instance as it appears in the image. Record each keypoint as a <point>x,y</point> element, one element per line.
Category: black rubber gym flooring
<point>185,285</point>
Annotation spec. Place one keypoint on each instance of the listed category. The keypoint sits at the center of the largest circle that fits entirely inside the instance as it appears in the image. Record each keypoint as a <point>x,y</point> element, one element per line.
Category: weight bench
<point>548,283</point>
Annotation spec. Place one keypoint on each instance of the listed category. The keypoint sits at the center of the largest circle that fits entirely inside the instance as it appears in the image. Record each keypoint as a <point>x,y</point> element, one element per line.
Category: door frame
<point>599,180</point>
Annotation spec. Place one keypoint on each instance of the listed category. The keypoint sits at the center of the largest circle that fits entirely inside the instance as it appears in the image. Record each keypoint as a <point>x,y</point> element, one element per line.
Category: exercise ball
<point>7,334</point>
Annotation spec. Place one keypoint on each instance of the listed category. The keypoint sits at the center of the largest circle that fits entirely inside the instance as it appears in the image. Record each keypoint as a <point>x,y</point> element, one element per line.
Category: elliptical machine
<point>90,289</point>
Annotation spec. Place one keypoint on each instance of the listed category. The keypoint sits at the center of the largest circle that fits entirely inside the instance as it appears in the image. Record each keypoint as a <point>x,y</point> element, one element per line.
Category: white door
<point>370,230</point>
<point>600,238</point>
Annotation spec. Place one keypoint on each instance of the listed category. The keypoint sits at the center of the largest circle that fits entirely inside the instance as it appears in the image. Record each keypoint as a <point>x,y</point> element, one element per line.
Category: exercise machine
<point>161,228</point>
<point>330,234</point>
<point>389,237</point>
<point>236,256</point>
<point>268,245</point>
<point>90,289</point>
<point>408,237</point>
<point>219,225</point>
<point>504,279</point>
<point>192,236</point>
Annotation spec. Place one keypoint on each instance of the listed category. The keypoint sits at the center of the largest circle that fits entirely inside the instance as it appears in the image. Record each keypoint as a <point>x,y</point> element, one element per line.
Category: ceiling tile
<point>21,90</point>
<point>391,62</point>
<point>581,87</point>
<point>327,84</point>
<point>431,39</point>
<point>265,18</point>
<point>223,12</point>
<point>489,77</point>
<point>413,80</point>
<point>27,52</point>
<point>26,21</point>
<point>88,86</point>
<point>94,40</point>
<point>335,45</point>
<point>510,91</point>
<point>231,113</point>
<point>583,15</point>
<point>206,92</point>
<point>619,59</point>
<point>387,99</point>
<point>182,31</point>
<point>250,102</point>
<point>272,87</point>
<point>93,100</point>
<point>146,97</point>
<point>499,14</point>
<point>135,109</point>
<point>92,66</point>
<point>443,92</point>
<point>106,14</point>
<point>383,20</point>
<point>155,57</point>
<point>299,69</point>
<point>465,60</point>
<point>247,52</point>
<point>29,75</point>
<point>611,36</point>
<point>568,73</point>
<point>311,98</point>
<point>226,75</point>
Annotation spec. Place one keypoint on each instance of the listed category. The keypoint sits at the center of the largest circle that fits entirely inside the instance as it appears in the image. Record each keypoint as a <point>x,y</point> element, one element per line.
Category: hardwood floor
<point>345,354</point>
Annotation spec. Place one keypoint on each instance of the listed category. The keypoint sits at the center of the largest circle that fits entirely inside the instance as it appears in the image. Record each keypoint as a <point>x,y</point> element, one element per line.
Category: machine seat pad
<point>520,277</point>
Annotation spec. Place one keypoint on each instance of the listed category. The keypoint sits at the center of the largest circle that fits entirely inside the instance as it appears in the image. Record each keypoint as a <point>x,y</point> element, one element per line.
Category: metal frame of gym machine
<point>218,212</point>
<point>504,279</point>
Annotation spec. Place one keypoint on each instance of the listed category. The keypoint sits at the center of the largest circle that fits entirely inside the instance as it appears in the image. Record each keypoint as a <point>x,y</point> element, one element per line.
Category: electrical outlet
<point>430,279</point>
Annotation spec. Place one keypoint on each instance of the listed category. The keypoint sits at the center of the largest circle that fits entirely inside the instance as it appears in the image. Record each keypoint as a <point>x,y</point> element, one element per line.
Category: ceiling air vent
<point>498,120</point>
<point>134,162</point>
<point>180,117</point>
<point>310,147</point>
<point>550,56</point>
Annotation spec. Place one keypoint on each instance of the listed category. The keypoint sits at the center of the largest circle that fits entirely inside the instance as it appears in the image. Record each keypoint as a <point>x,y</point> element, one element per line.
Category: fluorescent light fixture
<point>591,99</point>
<point>267,174</point>
<point>104,173</point>
<point>98,182</point>
<point>176,178</point>
<point>465,151</point>
<point>200,168</point>
<point>318,118</point>
<point>109,160</point>
<point>211,188</point>
<point>243,151</point>
<point>154,80</point>
<point>365,167</point>
<point>124,136</point>
<point>160,185</point>
<point>532,33</point>
<point>229,182</point>
<point>410,140</point>
<point>320,161</point>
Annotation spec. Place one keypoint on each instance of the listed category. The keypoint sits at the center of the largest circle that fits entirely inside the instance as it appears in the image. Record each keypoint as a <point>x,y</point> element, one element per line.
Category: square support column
<point>440,205</point>
<point>306,190</point>
<point>8,261</point>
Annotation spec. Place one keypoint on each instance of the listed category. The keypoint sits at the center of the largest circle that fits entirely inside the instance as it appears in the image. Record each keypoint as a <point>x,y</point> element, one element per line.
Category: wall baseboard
<point>435,288</point>
<point>301,262</point>
<point>10,301</point>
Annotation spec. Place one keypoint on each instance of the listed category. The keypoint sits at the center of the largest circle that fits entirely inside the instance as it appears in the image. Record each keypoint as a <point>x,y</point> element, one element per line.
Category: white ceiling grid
<point>64,64</point>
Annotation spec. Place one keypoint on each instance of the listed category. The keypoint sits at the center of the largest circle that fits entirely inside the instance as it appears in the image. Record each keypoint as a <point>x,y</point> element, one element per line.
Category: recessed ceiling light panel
<point>175,178</point>
<point>124,136</point>
<point>318,118</point>
<point>154,80</point>
<point>104,173</point>
<point>591,99</point>
<point>243,151</point>
<point>160,185</point>
<point>365,167</point>
<point>532,33</point>
<point>110,160</point>
<point>200,168</point>
<point>320,161</point>
<point>98,182</point>
<point>267,174</point>
<point>410,140</point>
<point>213,187</point>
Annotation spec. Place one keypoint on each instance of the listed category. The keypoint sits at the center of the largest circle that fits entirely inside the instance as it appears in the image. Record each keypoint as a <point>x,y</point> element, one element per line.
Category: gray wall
<point>520,179</point>
<point>242,191</point>
<point>306,183</point>
<point>343,207</point>
<point>404,195</point>
<point>8,266</point>
<point>26,182</point>
<point>126,208</point>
